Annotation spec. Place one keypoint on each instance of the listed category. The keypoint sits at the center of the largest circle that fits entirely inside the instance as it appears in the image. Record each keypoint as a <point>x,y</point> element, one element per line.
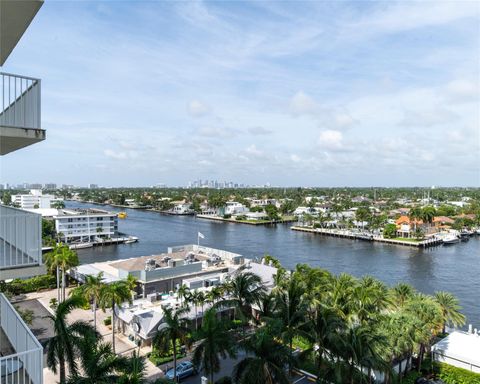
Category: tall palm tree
<point>324,327</point>
<point>244,290</point>
<point>214,294</point>
<point>62,348</point>
<point>174,329</point>
<point>183,293</point>
<point>99,364</point>
<point>131,282</point>
<point>91,291</point>
<point>134,371</point>
<point>291,311</point>
<point>401,293</point>
<point>450,308</point>
<point>112,295</point>
<point>61,259</point>
<point>214,342</point>
<point>267,365</point>
<point>193,298</point>
<point>52,265</point>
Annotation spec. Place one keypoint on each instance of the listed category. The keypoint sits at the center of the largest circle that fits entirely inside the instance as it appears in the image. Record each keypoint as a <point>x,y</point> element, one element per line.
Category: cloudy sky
<point>291,93</point>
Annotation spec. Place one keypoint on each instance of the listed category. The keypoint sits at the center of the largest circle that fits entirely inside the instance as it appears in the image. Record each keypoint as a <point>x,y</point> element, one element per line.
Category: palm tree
<point>214,294</point>
<point>91,291</point>
<point>414,215</point>
<point>291,311</point>
<point>325,325</point>
<point>401,293</point>
<point>64,258</point>
<point>174,329</point>
<point>52,265</point>
<point>267,366</point>
<point>193,298</point>
<point>450,309</point>
<point>131,282</point>
<point>62,348</point>
<point>99,364</point>
<point>111,295</point>
<point>214,342</point>
<point>183,293</point>
<point>134,371</point>
<point>245,289</point>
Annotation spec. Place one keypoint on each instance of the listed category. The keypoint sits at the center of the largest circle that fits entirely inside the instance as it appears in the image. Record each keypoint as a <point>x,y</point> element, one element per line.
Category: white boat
<point>131,240</point>
<point>450,239</point>
<point>81,245</point>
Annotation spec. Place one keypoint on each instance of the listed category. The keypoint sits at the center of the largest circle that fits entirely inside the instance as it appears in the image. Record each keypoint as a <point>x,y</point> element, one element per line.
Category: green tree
<point>214,342</point>
<point>174,329</point>
<point>60,259</point>
<point>111,295</point>
<point>91,290</point>
<point>62,348</point>
<point>266,366</point>
<point>134,370</point>
<point>390,231</point>
<point>450,308</point>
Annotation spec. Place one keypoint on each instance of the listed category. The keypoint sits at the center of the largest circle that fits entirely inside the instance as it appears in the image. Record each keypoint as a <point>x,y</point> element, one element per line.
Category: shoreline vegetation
<point>339,328</point>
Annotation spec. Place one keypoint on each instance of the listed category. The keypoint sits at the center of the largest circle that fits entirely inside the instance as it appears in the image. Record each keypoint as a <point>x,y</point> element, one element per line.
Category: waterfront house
<point>442,222</point>
<point>182,209</point>
<point>235,208</point>
<point>406,226</point>
<point>256,216</point>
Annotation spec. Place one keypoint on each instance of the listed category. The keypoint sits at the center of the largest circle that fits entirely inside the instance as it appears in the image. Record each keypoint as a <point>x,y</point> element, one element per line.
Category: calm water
<point>454,268</point>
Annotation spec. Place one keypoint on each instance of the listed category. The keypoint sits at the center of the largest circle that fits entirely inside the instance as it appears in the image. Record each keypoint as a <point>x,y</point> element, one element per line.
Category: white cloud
<point>462,90</point>
<point>331,140</point>
<point>302,104</point>
<point>196,108</point>
<point>120,154</point>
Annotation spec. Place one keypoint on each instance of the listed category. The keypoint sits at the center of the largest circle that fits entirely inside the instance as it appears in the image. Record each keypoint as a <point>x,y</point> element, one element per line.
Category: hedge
<point>34,284</point>
<point>454,375</point>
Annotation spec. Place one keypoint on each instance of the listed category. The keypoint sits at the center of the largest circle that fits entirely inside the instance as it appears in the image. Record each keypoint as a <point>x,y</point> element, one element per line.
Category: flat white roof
<point>461,346</point>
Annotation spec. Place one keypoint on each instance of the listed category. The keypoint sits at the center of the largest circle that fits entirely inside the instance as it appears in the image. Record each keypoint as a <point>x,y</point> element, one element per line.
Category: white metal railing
<point>20,101</point>
<point>20,238</point>
<point>24,363</point>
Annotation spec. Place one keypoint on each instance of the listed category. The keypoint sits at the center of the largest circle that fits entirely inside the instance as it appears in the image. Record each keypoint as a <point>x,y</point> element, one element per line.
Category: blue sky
<point>291,93</point>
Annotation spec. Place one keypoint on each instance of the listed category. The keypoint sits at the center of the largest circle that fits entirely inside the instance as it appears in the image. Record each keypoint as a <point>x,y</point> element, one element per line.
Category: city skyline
<point>326,94</point>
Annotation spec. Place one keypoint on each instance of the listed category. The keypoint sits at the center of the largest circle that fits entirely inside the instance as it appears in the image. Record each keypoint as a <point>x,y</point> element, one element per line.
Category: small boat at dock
<point>130,240</point>
<point>450,239</point>
<point>122,215</point>
<point>81,245</point>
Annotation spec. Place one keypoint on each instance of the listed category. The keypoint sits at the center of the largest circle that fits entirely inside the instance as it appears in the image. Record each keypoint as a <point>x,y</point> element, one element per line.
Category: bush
<point>108,320</point>
<point>241,217</point>
<point>34,284</point>
<point>159,359</point>
<point>454,375</point>
<point>228,216</point>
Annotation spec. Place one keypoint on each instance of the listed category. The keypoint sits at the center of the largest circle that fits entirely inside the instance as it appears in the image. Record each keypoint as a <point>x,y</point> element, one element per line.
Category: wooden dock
<point>344,233</point>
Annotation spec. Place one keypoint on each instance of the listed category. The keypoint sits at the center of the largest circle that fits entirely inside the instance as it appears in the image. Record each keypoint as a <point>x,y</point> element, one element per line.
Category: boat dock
<point>115,240</point>
<point>345,233</point>
<point>248,222</point>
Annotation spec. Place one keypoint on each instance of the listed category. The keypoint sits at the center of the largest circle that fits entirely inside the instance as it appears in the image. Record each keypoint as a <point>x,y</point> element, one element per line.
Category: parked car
<point>184,369</point>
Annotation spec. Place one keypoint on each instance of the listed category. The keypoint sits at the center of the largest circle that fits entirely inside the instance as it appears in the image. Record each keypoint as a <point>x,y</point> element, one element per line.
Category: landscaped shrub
<point>158,359</point>
<point>454,375</point>
<point>108,321</point>
<point>227,216</point>
<point>34,284</point>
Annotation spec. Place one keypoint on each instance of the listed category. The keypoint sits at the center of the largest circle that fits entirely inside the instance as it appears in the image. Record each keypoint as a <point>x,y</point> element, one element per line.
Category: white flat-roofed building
<point>34,199</point>
<point>460,349</point>
<point>235,208</point>
<point>85,224</point>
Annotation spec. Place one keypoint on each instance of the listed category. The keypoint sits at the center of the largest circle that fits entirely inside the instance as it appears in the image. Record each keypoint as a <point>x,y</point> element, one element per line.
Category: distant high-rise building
<point>92,186</point>
<point>50,186</point>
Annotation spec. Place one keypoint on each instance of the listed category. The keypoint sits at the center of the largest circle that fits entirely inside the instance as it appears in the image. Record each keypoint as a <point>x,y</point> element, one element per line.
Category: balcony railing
<point>21,358</point>
<point>20,101</point>
<point>20,238</point>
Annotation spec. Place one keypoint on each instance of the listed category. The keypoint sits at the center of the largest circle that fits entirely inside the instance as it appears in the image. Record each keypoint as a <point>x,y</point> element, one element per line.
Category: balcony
<point>20,243</point>
<point>20,112</point>
<point>21,355</point>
